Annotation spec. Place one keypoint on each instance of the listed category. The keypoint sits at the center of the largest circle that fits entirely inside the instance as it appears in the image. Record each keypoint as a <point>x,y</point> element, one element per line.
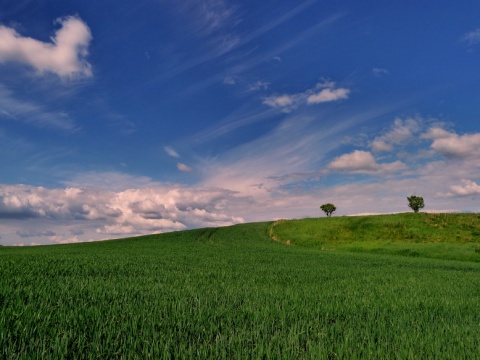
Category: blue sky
<point>121,118</point>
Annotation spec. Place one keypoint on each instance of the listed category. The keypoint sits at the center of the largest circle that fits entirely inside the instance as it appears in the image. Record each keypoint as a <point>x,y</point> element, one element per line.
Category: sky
<point>130,117</point>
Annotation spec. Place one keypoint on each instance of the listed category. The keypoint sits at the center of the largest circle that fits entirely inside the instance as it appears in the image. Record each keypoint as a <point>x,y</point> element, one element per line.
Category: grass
<point>233,293</point>
<point>441,236</point>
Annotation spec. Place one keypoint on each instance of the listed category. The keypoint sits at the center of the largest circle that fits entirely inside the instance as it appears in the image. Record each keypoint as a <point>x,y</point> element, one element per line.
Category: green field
<point>234,293</point>
<point>439,236</point>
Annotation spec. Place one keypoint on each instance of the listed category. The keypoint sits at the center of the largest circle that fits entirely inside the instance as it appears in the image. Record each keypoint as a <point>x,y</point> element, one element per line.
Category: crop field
<point>233,293</point>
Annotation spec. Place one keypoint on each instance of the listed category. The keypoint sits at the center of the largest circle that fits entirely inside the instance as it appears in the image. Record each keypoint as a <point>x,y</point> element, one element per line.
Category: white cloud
<point>278,101</point>
<point>467,188</point>
<point>322,92</point>
<point>277,175</point>
<point>401,133</point>
<point>360,161</point>
<point>437,133</point>
<point>357,161</point>
<point>64,56</point>
<point>379,145</point>
<point>395,166</point>
<point>105,214</point>
<point>452,145</point>
<point>328,95</point>
<point>291,152</point>
<point>171,152</point>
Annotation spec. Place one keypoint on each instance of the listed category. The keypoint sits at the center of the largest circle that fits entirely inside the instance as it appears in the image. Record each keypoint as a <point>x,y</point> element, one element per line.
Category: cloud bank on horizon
<point>169,116</point>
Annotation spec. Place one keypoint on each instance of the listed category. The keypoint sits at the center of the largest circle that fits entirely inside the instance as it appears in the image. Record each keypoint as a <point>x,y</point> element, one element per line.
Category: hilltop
<point>444,236</point>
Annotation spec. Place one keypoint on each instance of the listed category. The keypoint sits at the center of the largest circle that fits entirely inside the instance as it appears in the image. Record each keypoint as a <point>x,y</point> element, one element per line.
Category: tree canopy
<point>415,202</point>
<point>328,209</point>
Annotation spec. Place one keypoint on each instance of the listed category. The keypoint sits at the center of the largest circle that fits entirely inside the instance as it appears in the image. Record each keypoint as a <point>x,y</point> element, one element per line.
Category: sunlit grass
<point>233,293</point>
<point>442,236</point>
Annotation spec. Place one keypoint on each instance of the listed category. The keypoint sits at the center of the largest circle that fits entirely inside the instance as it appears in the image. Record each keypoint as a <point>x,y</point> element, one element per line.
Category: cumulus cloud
<point>401,132</point>
<point>356,161</point>
<point>323,92</point>
<point>380,145</point>
<point>276,175</point>
<point>327,95</point>
<point>64,56</point>
<point>466,188</point>
<point>130,211</point>
<point>360,161</point>
<point>452,145</point>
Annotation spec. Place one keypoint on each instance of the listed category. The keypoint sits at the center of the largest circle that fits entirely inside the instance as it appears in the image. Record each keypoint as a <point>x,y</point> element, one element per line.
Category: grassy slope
<point>232,293</point>
<point>442,236</point>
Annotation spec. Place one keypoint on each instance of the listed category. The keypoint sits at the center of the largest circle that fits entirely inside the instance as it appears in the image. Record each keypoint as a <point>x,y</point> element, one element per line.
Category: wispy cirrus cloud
<point>171,152</point>
<point>209,16</point>
<point>259,85</point>
<point>471,38</point>
<point>224,40</point>
<point>12,108</point>
<point>262,166</point>
<point>284,173</point>
<point>65,56</point>
<point>378,72</point>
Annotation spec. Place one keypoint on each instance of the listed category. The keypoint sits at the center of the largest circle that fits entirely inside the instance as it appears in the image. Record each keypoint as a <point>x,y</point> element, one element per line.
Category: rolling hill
<point>233,292</point>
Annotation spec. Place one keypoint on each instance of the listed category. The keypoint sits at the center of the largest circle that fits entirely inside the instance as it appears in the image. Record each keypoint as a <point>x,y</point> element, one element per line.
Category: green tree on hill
<point>328,209</point>
<point>415,202</point>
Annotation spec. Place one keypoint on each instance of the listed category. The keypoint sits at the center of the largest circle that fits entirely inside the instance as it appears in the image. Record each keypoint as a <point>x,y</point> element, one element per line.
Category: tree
<point>328,209</point>
<point>415,202</point>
